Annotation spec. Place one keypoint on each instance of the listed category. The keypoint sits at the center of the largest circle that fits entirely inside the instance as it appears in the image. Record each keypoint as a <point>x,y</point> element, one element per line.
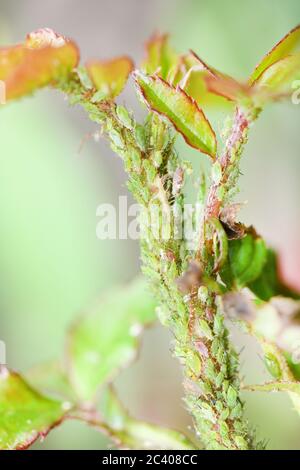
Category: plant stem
<point>188,307</point>
<point>201,343</point>
<point>210,365</point>
<point>229,161</point>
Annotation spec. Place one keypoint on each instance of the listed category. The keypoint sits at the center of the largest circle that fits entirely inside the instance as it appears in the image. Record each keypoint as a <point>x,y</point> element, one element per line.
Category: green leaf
<point>180,109</point>
<point>276,80</point>
<point>25,415</point>
<point>269,284</point>
<point>130,433</point>
<point>110,77</point>
<point>106,340</point>
<point>257,263</point>
<point>294,368</point>
<point>44,57</point>
<point>246,259</point>
<point>286,46</point>
<point>50,379</point>
<point>160,57</point>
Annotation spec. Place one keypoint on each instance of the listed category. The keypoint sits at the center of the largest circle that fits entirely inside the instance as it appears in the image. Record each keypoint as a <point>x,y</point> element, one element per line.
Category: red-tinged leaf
<point>204,67</point>
<point>204,84</point>
<point>10,59</point>
<point>110,76</point>
<point>276,80</point>
<point>25,415</point>
<point>228,88</point>
<point>286,46</point>
<point>160,57</point>
<point>220,83</point>
<point>181,110</point>
<point>43,58</point>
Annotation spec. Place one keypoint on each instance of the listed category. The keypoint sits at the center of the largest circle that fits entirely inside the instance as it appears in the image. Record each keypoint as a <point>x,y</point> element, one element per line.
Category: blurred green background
<point>51,264</point>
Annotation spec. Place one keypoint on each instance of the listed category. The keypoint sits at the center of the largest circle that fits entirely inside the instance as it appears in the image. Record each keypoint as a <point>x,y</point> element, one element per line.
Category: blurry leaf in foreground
<point>110,77</point>
<point>43,58</point>
<point>130,433</point>
<point>25,415</point>
<point>106,340</point>
<point>50,379</point>
<point>180,109</point>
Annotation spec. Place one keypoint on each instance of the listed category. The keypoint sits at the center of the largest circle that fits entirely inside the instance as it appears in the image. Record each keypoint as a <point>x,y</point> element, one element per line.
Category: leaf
<point>277,79</point>
<point>226,87</point>
<point>106,340</point>
<point>51,379</point>
<point>190,74</point>
<point>160,57</point>
<point>269,284</point>
<point>181,110</point>
<point>294,368</point>
<point>25,415</point>
<point>278,366</point>
<point>246,259</point>
<point>222,84</point>
<point>42,59</point>
<point>110,77</point>
<point>286,46</point>
<point>130,433</point>
<point>256,264</point>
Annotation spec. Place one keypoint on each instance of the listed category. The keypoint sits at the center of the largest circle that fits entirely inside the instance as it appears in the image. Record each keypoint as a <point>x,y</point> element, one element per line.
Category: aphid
<point>178,181</point>
<point>191,279</point>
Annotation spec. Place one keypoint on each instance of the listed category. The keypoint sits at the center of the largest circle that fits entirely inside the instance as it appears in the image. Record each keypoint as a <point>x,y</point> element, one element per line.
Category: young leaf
<point>110,77</point>
<point>246,260</point>
<point>257,263</point>
<point>130,433</point>
<point>277,79</point>
<point>42,59</point>
<point>160,57</point>
<point>106,340</point>
<point>286,46</point>
<point>25,415</point>
<point>190,76</point>
<point>221,84</point>
<point>180,109</point>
